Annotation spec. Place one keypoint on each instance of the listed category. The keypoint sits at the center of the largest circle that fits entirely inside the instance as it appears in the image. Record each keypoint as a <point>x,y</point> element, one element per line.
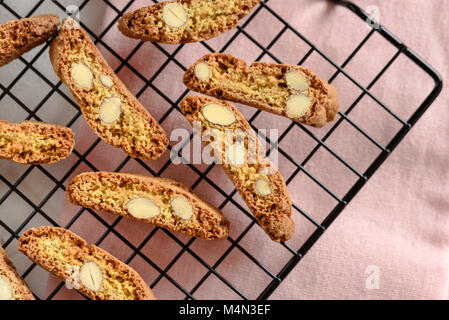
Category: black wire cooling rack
<point>321,142</point>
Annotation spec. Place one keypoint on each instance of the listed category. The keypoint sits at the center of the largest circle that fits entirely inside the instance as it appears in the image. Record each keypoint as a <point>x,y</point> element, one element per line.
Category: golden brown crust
<point>57,250</point>
<point>273,212</point>
<point>206,19</point>
<point>136,131</point>
<point>271,88</point>
<point>7,270</point>
<point>20,36</point>
<point>86,190</point>
<point>35,143</point>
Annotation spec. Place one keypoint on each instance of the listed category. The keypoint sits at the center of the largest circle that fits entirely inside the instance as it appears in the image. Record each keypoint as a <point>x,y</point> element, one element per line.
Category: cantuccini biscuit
<point>236,147</point>
<point>162,202</point>
<point>287,90</point>
<point>20,36</point>
<point>185,21</point>
<point>35,143</point>
<point>108,106</point>
<point>89,269</point>
<point>12,286</point>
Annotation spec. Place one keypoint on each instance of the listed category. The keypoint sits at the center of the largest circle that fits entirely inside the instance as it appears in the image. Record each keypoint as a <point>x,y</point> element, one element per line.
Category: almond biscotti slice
<point>287,90</point>
<point>87,268</point>
<point>108,106</point>
<point>20,36</point>
<point>12,286</point>
<point>162,202</point>
<point>35,143</point>
<point>236,147</point>
<point>185,21</point>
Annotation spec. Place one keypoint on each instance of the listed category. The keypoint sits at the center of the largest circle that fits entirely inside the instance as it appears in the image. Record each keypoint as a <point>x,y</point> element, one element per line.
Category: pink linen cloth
<point>391,242</point>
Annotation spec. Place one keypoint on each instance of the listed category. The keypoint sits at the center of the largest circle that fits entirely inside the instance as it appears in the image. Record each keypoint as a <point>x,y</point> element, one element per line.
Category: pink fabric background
<point>399,222</point>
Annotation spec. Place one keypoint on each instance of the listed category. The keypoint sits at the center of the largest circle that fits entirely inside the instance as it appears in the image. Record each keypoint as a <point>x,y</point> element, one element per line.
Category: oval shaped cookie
<point>291,91</point>
<point>185,21</point>
<point>162,202</point>
<point>109,108</point>
<point>35,143</point>
<point>89,269</point>
<point>20,36</point>
<point>236,147</point>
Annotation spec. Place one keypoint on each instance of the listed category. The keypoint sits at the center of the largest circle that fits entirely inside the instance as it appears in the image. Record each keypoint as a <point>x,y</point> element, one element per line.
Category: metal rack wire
<point>300,165</point>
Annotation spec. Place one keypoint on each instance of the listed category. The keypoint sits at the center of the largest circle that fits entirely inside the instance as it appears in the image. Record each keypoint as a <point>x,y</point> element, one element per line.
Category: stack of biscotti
<point>109,108</point>
<point>12,286</point>
<point>89,269</point>
<point>185,21</point>
<point>20,36</point>
<point>159,201</point>
<point>35,143</point>
<point>291,91</point>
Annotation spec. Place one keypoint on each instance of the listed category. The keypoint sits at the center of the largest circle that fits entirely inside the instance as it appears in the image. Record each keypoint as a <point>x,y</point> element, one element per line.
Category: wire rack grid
<point>295,249</point>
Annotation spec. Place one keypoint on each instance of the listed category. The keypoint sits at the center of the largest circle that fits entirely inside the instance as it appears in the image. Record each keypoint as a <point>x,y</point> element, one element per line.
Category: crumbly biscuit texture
<point>109,108</point>
<point>35,143</point>
<point>291,91</point>
<point>20,36</point>
<point>163,202</point>
<point>12,286</point>
<point>100,275</point>
<point>236,147</point>
<point>185,21</point>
